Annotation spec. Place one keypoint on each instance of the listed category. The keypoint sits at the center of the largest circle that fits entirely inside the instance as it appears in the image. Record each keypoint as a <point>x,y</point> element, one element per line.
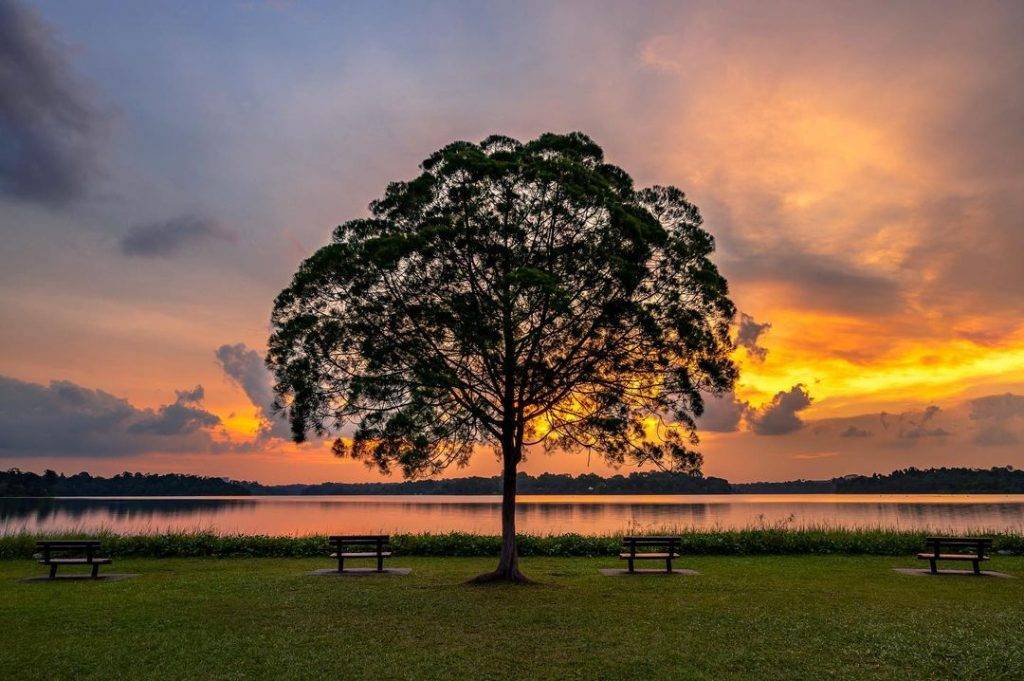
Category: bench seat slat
<point>951,556</point>
<point>75,561</point>
<point>649,555</point>
<point>362,554</point>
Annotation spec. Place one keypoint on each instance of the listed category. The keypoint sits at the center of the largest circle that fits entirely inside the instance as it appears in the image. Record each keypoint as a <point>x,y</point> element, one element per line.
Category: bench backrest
<point>377,540</point>
<point>973,544</point>
<point>668,543</point>
<point>87,546</point>
<point>959,541</point>
<point>68,544</point>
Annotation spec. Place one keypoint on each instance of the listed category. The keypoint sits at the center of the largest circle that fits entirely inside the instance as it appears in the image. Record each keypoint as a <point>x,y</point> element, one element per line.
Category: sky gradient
<point>164,167</point>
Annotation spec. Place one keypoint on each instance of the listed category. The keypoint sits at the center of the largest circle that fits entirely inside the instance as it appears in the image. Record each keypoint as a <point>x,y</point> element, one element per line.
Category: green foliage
<point>747,542</point>
<point>512,294</point>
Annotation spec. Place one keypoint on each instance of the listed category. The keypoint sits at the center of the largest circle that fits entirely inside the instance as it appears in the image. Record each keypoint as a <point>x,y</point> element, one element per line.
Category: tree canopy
<point>512,294</point>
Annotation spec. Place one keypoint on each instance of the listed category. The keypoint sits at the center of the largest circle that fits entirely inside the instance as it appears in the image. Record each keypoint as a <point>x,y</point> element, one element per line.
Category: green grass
<point>742,617</point>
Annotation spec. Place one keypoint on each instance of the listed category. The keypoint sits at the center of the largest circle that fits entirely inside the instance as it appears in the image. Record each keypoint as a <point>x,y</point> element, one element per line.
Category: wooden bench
<point>57,552</point>
<point>650,548</point>
<point>360,546</point>
<point>961,548</point>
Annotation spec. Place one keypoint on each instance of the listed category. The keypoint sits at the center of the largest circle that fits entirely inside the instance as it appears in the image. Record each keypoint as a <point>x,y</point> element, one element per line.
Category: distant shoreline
<point>998,480</point>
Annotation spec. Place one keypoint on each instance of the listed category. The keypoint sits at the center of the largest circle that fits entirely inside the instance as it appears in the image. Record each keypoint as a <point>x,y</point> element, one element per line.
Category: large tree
<point>511,295</point>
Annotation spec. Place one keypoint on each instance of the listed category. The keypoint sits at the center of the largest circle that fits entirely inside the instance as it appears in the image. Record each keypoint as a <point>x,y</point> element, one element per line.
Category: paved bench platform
<point>108,577</point>
<point>926,572</point>
<point>619,572</point>
<point>360,572</point>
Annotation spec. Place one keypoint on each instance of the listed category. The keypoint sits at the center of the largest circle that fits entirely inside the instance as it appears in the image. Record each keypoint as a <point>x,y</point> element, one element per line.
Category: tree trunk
<point>508,564</point>
<point>512,424</point>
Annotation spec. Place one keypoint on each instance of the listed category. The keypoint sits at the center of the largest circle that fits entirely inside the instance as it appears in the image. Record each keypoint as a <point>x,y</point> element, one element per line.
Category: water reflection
<point>79,511</point>
<point>537,514</point>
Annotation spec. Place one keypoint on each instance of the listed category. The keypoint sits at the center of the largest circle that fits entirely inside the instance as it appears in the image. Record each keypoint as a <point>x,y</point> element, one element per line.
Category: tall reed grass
<point>761,540</point>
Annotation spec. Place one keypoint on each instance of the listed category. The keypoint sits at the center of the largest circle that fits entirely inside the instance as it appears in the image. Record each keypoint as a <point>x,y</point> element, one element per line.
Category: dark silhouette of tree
<point>17,483</point>
<point>513,295</point>
<point>650,482</point>
<point>22,483</point>
<point>936,481</point>
<point>1004,480</point>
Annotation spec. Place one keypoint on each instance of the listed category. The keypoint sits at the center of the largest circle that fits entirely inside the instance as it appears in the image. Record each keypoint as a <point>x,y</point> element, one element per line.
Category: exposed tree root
<point>513,576</point>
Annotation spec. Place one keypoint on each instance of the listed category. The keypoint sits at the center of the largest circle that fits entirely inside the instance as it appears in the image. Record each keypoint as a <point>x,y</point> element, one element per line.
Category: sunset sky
<point>164,167</point>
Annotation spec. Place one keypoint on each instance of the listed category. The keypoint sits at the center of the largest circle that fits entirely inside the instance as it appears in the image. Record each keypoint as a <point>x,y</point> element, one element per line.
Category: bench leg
<point>668,565</point>
<point>53,571</point>
<point>341,564</point>
<point>380,563</point>
<point>629,563</point>
<point>977,568</point>
<point>935,570</point>
<point>95,570</point>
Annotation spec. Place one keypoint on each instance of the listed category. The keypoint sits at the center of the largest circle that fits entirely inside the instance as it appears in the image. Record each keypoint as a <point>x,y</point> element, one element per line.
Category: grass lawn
<point>779,617</point>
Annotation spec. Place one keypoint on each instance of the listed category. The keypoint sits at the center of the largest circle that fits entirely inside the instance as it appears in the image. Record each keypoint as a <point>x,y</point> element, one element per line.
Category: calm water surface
<point>536,514</point>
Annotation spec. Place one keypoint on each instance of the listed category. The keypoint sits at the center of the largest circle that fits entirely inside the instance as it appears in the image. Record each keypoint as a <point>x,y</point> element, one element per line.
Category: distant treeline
<point>16,483</point>
<point>994,480</point>
<point>19,483</point>
<point>789,487</point>
<point>656,482</point>
<point>938,480</point>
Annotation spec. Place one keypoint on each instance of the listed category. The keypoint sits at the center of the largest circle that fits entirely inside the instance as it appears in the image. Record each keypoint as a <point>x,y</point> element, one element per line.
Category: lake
<point>538,514</point>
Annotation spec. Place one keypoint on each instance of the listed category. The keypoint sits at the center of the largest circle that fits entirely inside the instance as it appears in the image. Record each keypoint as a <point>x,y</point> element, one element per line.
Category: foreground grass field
<point>779,617</point>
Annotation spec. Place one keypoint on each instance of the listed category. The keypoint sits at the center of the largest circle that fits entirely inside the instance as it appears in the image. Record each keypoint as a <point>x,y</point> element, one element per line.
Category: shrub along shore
<point>745,542</point>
